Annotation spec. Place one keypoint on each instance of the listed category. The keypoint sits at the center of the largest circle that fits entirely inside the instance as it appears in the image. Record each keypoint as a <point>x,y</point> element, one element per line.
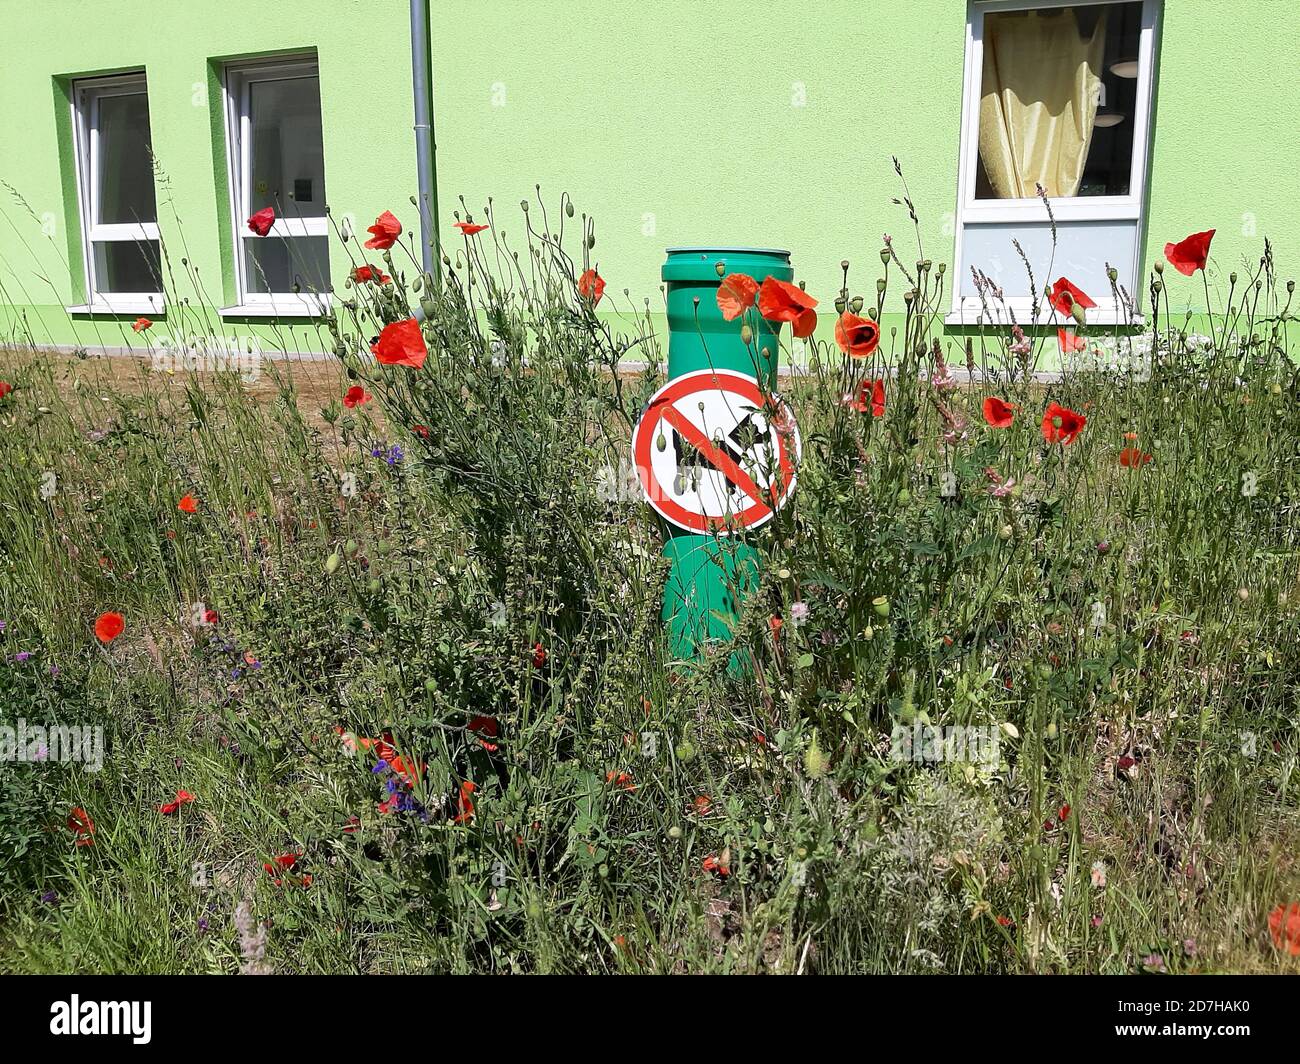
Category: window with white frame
<point>119,214</point>
<point>277,160</point>
<point>1057,97</point>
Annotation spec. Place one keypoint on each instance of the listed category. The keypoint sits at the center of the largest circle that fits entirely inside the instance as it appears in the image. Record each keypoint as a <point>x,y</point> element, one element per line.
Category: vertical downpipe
<point>422,85</point>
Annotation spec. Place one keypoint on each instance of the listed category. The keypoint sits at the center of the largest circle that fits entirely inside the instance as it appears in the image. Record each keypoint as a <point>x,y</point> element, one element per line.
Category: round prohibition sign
<point>709,453</point>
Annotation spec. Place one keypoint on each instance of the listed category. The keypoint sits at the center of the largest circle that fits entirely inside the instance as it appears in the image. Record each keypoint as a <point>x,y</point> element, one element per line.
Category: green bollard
<point>711,574</point>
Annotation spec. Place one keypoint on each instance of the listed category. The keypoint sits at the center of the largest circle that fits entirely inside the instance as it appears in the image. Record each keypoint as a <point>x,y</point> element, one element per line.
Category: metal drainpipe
<point>422,84</point>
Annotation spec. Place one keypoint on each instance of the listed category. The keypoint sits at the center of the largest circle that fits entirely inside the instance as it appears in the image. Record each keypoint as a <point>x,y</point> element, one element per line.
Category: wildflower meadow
<point>373,677</point>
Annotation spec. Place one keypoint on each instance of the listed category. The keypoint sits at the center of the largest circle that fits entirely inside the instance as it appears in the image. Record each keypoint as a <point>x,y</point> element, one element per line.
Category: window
<point>277,160</point>
<point>119,215</point>
<point>1058,95</point>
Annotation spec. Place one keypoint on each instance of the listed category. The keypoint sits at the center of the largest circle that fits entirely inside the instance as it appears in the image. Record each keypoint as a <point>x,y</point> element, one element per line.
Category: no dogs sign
<point>713,455</point>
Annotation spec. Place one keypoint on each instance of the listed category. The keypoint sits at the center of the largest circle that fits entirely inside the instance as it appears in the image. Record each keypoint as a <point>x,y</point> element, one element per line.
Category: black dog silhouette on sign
<point>735,445</point>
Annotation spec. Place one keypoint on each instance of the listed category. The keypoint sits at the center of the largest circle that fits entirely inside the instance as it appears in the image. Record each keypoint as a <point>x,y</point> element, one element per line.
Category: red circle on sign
<point>761,503</point>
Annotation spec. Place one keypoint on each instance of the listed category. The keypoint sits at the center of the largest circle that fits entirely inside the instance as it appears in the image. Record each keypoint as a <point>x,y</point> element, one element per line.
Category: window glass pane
<point>127,266</point>
<point>288,156</point>
<point>275,265</point>
<point>125,163</point>
<point>1059,101</point>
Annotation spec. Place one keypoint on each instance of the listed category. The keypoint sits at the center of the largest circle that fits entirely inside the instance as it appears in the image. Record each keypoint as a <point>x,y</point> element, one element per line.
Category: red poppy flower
<point>736,295</point>
<point>1068,341</point>
<point>871,396</point>
<point>469,228</point>
<point>622,780</point>
<point>421,430</point>
<point>1190,255</point>
<point>718,865</point>
<point>486,726</point>
<point>1062,425</point>
<point>108,626</point>
<point>1064,295</point>
<point>366,273</point>
<point>775,624</point>
<point>998,413</point>
<point>5,388</point>
<point>539,656</point>
<point>401,344</point>
<point>1133,457</point>
<point>703,805</point>
<point>80,824</point>
<point>385,231</point>
<point>355,396</point>
<point>182,798</point>
<point>261,222</point>
<point>1284,926</point>
<point>188,504</point>
<point>591,286</point>
<point>1005,921</point>
<point>781,301</point>
<point>1063,813</point>
<point>141,324</point>
<point>211,617</point>
<point>857,337</point>
<point>464,804</point>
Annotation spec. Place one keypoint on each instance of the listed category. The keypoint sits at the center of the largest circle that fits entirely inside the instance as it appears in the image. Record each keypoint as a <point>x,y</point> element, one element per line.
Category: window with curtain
<point>1058,96</point>
<point>1053,108</point>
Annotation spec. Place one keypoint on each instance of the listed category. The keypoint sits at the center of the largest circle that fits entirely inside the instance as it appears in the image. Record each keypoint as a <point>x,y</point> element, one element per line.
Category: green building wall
<point>687,123</point>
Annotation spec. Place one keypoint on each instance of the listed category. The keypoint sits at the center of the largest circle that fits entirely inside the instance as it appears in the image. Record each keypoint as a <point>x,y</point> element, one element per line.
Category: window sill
<point>1108,317</point>
<point>121,307</point>
<point>266,310</point>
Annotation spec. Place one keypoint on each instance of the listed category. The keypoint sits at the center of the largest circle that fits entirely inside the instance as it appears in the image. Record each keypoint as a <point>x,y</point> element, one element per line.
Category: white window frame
<point>86,94</point>
<point>1066,210</point>
<point>237,94</point>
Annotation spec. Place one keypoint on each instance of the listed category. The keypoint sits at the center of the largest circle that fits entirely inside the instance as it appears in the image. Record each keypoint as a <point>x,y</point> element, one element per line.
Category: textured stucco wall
<point>692,122</point>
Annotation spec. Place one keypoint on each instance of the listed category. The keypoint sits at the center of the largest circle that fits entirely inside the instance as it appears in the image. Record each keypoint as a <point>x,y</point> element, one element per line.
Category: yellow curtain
<point>1042,81</point>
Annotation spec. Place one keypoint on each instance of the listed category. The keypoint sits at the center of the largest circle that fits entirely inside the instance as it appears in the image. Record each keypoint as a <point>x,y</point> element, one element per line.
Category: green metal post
<point>710,575</point>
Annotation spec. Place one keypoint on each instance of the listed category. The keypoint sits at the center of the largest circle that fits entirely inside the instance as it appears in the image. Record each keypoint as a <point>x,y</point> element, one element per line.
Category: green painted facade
<point>716,122</point>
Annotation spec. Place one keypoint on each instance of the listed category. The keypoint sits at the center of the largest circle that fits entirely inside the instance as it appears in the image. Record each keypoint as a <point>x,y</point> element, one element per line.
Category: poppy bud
<point>1290,288</point>
<point>523,206</point>
<point>1243,594</point>
<point>591,241</point>
<point>943,268</point>
<point>1112,274</point>
<point>766,352</point>
<point>868,633</point>
<point>674,832</point>
<point>1005,531</point>
<point>746,335</point>
<point>1232,277</point>
<point>1079,314</point>
<point>1160,267</point>
<point>855,305</point>
<point>721,267</point>
<point>332,562</point>
<point>1156,286</point>
<point>568,208</point>
<point>814,761</point>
